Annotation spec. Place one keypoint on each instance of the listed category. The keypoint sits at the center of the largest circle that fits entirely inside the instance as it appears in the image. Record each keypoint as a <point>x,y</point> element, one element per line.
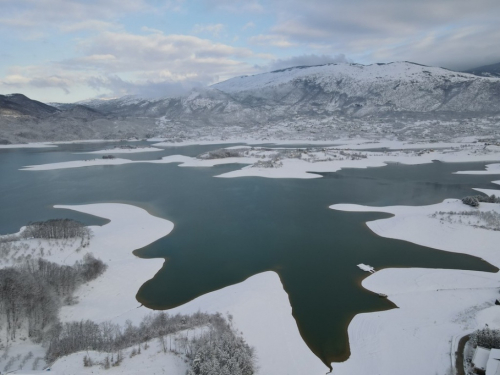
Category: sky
<point>72,50</point>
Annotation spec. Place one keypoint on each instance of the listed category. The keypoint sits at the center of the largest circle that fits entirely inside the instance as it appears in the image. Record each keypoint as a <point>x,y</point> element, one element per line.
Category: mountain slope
<point>324,90</point>
<point>19,105</point>
<point>362,90</point>
<point>492,70</point>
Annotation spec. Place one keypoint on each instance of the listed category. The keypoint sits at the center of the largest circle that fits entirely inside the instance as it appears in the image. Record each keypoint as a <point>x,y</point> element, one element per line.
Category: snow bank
<point>490,169</point>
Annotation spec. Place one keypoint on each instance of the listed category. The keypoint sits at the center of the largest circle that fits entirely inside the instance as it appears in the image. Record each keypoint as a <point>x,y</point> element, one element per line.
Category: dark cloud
<point>452,33</point>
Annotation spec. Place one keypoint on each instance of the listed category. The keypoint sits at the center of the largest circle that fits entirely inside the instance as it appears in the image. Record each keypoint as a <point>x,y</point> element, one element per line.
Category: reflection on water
<point>227,230</point>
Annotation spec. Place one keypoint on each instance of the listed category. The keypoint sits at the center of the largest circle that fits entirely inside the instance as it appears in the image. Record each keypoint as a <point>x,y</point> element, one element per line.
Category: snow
<point>112,295</point>
<point>490,169</point>
<point>262,311</point>
<point>329,73</point>
<point>314,161</point>
<point>434,306</point>
<point>28,145</point>
<point>480,358</point>
<point>488,192</point>
<point>493,365</point>
<point>119,150</point>
<point>151,361</point>
<point>259,305</point>
<point>366,267</point>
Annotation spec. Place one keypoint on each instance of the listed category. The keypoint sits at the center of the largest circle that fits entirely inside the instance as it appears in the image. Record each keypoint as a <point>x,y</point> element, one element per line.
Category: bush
<point>470,201</point>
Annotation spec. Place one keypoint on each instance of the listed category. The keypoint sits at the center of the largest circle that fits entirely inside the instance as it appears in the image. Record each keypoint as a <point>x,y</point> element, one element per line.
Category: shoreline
<point>434,305</point>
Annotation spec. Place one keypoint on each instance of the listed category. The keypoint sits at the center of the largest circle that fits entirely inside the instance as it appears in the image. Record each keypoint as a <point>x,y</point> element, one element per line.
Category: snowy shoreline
<point>259,305</point>
<point>309,163</point>
<point>435,306</point>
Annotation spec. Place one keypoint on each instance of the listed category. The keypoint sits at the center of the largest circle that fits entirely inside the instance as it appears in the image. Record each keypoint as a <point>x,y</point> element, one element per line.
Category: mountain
<point>343,89</point>
<point>492,70</point>
<point>323,99</point>
<point>362,90</point>
<point>16,105</point>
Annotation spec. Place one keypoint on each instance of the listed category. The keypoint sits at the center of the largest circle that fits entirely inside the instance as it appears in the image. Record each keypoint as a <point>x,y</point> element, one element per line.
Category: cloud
<point>40,16</point>
<point>235,6</point>
<point>213,29</point>
<point>392,29</point>
<point>152,65</point>
<point>305,60</point>
<point>271,41</point>
<point>145,89</point>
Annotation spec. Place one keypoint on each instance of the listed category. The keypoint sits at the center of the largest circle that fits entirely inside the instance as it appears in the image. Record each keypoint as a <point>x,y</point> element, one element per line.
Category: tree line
<point>56,229</point>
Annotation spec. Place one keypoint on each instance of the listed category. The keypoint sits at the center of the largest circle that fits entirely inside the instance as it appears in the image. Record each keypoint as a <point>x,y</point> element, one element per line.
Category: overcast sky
<point>70,50</point>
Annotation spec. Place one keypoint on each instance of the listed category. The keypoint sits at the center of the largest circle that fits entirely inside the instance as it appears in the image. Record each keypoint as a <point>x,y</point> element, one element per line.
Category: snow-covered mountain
<point>293,97</point>
<point>361,90</point>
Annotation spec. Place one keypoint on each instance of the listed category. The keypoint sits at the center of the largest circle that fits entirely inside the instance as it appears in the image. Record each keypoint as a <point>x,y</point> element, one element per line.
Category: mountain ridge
<point>292,97</point>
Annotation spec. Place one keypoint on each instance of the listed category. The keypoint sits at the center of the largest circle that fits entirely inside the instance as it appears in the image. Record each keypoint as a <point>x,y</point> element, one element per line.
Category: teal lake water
<point>227,230</point>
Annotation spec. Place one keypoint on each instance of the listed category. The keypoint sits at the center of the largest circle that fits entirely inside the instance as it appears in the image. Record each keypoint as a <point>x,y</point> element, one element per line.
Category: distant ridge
<point>492,70</point>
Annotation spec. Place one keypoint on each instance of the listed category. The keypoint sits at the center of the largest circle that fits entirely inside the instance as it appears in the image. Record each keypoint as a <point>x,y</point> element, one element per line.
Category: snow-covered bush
<point>476,199</point>
<point>486,338</point>
<point>470,201</point>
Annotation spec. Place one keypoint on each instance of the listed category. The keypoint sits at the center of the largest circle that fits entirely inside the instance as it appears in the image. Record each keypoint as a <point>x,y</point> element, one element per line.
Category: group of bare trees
<point>219,350</point>
<point>57,229</point>
<point>32,292</point>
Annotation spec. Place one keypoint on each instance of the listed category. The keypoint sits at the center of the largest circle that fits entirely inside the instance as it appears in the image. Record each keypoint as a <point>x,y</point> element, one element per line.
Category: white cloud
<point>123,62</point>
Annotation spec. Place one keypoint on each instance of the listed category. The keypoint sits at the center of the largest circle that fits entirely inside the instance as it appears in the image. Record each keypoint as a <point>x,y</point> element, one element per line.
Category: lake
<point>227,230</point>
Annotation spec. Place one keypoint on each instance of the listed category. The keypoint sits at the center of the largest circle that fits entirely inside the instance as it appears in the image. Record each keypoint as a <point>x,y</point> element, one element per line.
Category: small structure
<point>486,361</point>
<point>480,358</point>
<point>366,267</point>
<point>493,365</point>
